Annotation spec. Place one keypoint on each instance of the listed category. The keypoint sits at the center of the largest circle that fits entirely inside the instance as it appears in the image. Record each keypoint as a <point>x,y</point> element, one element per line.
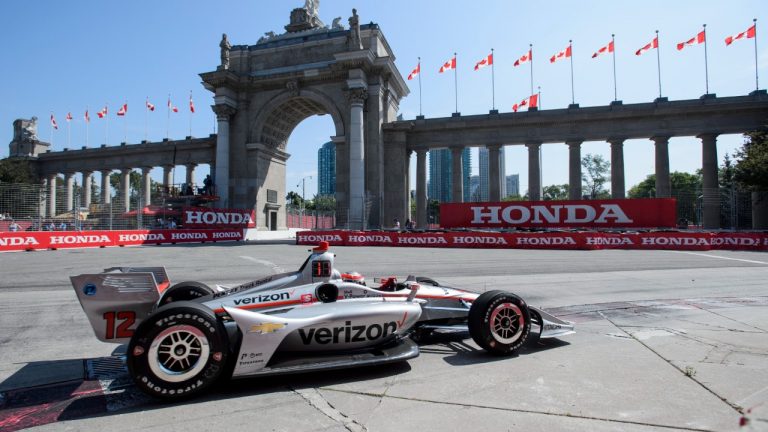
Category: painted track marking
<point>275,268</point>
<point>721,257</point>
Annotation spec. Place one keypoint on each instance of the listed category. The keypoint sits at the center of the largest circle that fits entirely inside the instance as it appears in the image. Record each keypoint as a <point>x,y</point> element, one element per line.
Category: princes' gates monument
<point>262,92</point>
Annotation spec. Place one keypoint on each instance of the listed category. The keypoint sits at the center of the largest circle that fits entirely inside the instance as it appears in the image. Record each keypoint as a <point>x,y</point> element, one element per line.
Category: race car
<point>183,338</point>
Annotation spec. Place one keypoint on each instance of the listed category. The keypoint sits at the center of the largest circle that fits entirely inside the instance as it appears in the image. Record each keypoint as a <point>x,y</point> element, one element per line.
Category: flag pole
<point>530,52</point>
<point>493,82</point>
<point>615,92</point>
<point>420,112</point>
<point>87,125</point>
<point>190,113</point>
<point>106,129</point>
<point>456,82</point>
<point>168,120</point>
<point>658,60</point>
<point>51,124</point>
<point>125,122</point>
<point>573,92</point>
<point>757,83</point>
<point>146,117</point>
<point>706,63</point>
<point>69,132</point>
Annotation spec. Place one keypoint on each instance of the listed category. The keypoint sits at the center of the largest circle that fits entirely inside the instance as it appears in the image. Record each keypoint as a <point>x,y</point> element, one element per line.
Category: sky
<point>61,57</point>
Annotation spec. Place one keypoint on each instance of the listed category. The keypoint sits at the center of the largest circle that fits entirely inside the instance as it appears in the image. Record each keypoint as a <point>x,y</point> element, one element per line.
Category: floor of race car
<point>678,348</point>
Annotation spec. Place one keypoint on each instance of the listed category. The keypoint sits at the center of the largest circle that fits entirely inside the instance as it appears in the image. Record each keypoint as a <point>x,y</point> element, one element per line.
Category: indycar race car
<point>184,338</point>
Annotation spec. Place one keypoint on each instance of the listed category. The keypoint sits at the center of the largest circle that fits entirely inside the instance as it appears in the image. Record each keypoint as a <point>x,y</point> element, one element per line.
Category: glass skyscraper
<point>326,169</point>
<point>440,184</point>
<point>482,157</point>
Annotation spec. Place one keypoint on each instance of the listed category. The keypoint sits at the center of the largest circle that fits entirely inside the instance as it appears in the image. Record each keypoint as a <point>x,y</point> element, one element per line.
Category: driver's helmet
<point>353,277</point>
<point>388,284</point>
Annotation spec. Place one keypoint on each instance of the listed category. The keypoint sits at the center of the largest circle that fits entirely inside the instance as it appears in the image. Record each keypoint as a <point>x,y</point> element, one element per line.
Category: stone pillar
<point>494,173</point>
<point>421,189</point>
<point>357,97</point>
<point>221,180</point>
<point>146,186</point>
<point>69,194</point>
<point>106,189</point>
<point>457,174</point>
<point>52,195</point>
<point>87,189</point>
<point>167,178</point>
<point>710,185</point>
<point>574,170</point>
<point>618,186</point>
<point>534,171</point>
<point>191,174</point>
<point>663,184</point>
<point>42,208</point>
<point>125,188</point>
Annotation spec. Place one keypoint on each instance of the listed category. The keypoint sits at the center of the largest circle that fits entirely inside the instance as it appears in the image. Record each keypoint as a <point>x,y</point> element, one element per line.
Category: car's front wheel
<point>499,322</point>
<point>178,352</point>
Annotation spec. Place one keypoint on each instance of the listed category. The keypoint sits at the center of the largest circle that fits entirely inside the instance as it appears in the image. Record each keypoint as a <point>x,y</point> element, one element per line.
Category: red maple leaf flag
<point>53,123</point>
<point>102,113</point>
<point>191,104</point>
<point>68,117</point>
<point>486,61</point>
<point>651,45</point>
<point>171,107</point>
<point>561,55</point>
<point>531,102</point>
<point>700,38</point>
<point>450,64</point>
<point>415,72</point>
<point>87,117</point>
<point>150,106</point>
<point>749,34</point>
<point>123,109</point>
<point>525,58</point>
<point>608,48</point>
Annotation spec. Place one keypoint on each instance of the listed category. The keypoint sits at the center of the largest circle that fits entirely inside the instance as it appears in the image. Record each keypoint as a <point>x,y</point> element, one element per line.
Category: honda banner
<point>625,213</point>
<point>203,217</point>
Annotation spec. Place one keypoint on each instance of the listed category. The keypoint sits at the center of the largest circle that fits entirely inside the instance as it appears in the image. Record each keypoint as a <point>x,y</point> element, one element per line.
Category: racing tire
<point>499,322</point>
<point>178,352</point>
<point>184,291</point>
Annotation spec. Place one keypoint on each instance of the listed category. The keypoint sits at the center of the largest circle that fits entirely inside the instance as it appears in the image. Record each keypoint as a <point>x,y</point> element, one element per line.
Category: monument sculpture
<point>355,42</point>
<point>225,48</point>
<point>25,140</point>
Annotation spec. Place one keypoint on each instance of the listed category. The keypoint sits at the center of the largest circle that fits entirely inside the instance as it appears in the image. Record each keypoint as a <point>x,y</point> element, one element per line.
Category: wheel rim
<point>507,323</point>
<point>178,353</point>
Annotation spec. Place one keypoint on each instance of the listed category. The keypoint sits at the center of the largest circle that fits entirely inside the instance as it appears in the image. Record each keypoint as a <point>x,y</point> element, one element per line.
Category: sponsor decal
<point>18,241</point>
<point>141,237</point>
<point>545,241</point>
<point>347,333</point>
<point>609,241</point>
<point>315,238</point>
<point>674,241</point>
<point>430,240</point>
<point>189,236</point>
<point>89,289</point>
<point>261,298</point>
<point>369,239</point>
<point>264,328</point>
<point>251,284</point>
<point>475,240</point>
<point>196,217</point>
<point>306,298</point>
<point>79,239</point>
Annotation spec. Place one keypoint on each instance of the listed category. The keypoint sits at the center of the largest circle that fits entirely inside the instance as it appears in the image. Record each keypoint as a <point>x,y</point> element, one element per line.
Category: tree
<point>726,173</point>
<point>16,171</point>
<point>293,199</point>
<point>682,183</point>
<point>751,171</point>
<point>324,203</point>
<point>595,175</point>
<point>555,192</point>
<point>512,198</point>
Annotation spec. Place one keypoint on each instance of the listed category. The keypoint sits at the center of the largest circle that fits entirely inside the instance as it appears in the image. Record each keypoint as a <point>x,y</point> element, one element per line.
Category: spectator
<point>408,224</point>
<point>171,224</point>
<point>13,227</point>
<point>207,183</point>
<point>63,226</point>
<point>52,226</point>
<point>397,224</point>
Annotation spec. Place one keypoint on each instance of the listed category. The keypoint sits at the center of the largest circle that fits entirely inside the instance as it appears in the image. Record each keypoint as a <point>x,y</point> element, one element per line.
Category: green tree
<point>324,203</point>
<point>751,171</point>
<point>726,172</point>
<point>555,192</point>
<point>682,183</point>
<point>512,198</point>
<point>595,175</point>
<point>293,199</point>
<point>16,171</point>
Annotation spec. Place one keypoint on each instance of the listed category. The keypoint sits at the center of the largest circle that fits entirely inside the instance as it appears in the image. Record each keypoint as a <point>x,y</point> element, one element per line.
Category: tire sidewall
<point>480,325</point>
<point>185,291</point>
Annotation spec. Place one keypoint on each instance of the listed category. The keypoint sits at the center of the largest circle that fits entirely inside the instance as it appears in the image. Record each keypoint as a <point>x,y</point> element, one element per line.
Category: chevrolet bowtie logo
<point>265,328</point>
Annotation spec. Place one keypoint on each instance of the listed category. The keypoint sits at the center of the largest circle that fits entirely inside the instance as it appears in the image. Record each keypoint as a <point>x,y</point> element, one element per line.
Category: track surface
<point>665,341</point>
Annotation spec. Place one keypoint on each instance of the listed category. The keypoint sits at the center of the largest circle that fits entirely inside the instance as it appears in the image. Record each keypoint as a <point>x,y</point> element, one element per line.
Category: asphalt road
<point>665,341</point>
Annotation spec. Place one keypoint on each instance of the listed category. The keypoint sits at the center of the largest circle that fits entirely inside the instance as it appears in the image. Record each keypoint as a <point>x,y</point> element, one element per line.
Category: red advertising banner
<point>203,217</point>
<point>624,213</point>
<point>81,239</point>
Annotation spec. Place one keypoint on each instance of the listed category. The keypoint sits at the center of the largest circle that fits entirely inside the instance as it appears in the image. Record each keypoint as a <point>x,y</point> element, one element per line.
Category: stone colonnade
<point>711,200</point>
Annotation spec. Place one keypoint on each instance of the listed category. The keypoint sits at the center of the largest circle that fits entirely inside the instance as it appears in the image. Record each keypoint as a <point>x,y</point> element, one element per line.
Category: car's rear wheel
<point>499,322</point>
<point>178,351</point>
<point>184,291</point>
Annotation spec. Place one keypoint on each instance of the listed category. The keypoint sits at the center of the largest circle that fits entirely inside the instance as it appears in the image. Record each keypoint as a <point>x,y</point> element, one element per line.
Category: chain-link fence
<point>297,217</point>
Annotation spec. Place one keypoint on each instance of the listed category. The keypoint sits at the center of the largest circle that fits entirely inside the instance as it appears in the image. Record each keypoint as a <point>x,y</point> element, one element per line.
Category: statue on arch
<point>225,47</point>
<point>29,130</point>
<point>355,41</point>
<point>312,7</point>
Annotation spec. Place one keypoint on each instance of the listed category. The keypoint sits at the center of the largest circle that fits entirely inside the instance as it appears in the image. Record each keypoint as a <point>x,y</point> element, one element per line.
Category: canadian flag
<point>651,45</point>
<point>123,109</point>
<point>698,39</point>
<point>416,71</point>
<point>450,64</point>
<point>171,107</point>
<point>150,106</point>
<point>87,117</point>
<point>605,49</point>
<point>531,102</point>
<point>562,54</point>
<point>68,117</point>
<point>53,123</point>
<point>102,113</point>
<point>191,104</point>
<point>486,61</point>
<point>749,34</point>
<point>525,58</point>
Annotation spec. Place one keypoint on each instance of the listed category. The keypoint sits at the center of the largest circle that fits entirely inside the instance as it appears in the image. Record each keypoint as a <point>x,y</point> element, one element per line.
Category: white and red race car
<point>184,338</point>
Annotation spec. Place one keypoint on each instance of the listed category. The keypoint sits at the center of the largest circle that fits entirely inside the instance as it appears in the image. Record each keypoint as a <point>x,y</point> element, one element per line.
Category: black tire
<point>178,352</point>
<point>185,291</point>
<point>499,322</point>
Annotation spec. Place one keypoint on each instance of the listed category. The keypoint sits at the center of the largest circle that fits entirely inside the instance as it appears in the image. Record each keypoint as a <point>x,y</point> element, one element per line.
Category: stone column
<point>534,171</point>
<point>574,170</point>
<point>357,97</point>
<point>125,188</point>
<point>710,184</point>
<point>421,189</point>
<point>106,189</point>
<point>69,194</point>
<point>663,184</point>
<point>167,177</point>
<point>41,207</point>
<point>191,174</point>
<point>146,186</point>
<point>457,174</point>
<point>221,181</point>
<point>618,186</point>
<point>494,173</point>
<point>87,190</point>
<point>52,195</point>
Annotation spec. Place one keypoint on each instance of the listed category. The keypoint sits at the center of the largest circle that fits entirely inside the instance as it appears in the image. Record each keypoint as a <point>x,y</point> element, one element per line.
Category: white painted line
<point>721,257</point>
<point>275,268</point>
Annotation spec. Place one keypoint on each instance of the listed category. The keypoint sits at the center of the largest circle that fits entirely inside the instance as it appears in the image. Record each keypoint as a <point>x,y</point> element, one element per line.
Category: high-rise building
<point>326,169</point>
<point>440,184</point>
<point>483,169</point>
<point>513,185</point>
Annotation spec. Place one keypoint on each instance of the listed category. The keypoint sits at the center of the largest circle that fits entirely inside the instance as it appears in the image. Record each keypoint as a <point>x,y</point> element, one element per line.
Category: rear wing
<point>118,299</point>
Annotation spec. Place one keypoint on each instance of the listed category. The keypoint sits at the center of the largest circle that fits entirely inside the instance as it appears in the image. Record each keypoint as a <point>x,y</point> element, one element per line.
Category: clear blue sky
<point>65,56</point>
